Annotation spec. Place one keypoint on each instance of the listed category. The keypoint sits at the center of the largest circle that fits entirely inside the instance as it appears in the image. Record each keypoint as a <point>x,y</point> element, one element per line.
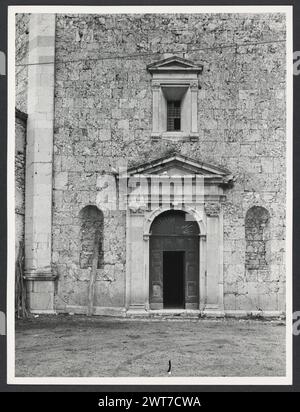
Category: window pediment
<point>174,63</point>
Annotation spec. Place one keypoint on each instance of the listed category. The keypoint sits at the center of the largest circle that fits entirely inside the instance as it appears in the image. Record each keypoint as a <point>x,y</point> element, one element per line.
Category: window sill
<point>175,136</point>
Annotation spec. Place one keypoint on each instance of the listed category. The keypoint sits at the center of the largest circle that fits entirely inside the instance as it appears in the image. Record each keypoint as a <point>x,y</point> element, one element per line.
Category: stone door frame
<point>211,295</point>
<point>201,245</point>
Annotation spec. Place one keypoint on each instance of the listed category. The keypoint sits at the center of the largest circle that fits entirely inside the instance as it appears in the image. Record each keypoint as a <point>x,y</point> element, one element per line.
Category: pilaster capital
<point>194,85</point>
<point>212,209</point>
<point>155,85</point>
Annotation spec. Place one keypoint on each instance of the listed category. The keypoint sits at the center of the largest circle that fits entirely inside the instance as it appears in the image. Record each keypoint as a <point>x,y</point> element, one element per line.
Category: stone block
<point>105,134</point>
<point>123,124</point>
<point>229,301</point>
<point>61,180</point>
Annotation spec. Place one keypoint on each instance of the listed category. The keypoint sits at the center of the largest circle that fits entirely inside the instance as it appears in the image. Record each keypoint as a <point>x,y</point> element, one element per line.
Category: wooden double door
<point>174,262</point>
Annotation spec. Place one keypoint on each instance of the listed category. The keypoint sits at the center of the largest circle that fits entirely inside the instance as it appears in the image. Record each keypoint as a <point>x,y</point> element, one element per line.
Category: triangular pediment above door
<point>178,165</point>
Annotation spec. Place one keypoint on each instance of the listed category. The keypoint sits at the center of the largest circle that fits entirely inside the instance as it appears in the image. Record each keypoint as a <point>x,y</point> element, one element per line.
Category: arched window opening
<point>91,237</point>
<point>257,238</point>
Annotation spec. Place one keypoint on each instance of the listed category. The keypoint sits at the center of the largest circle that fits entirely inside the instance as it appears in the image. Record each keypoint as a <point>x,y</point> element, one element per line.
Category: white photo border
<point>11,378</point>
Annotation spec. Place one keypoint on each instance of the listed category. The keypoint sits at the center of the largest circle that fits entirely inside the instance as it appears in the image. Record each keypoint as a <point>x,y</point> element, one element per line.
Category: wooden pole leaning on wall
<point>20,286</point>
<point>91,288</point>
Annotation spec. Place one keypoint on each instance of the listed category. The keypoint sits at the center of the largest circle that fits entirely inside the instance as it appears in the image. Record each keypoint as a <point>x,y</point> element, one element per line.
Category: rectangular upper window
<point>173,115</point>
<point>175,86</point>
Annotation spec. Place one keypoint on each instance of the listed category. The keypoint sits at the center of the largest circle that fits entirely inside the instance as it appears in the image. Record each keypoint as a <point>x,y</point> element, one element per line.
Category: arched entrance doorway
<point>174,261</point>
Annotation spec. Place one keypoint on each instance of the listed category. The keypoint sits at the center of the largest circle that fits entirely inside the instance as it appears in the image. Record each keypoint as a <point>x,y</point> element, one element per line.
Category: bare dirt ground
<point>97,346</point>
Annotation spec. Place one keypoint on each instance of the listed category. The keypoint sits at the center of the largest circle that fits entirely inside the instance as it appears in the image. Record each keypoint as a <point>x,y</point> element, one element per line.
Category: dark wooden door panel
<point>191,290</point>
<point>156,276</point>
<point>171,232</point>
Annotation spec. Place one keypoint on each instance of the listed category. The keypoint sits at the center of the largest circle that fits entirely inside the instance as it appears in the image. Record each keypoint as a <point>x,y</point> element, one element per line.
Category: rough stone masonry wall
<point>21,45</point>
<point>103,113</point>
<point>22,36</point>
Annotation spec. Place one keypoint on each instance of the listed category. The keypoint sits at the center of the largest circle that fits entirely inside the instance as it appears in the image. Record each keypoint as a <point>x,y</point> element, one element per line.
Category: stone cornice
<point>40,276</point>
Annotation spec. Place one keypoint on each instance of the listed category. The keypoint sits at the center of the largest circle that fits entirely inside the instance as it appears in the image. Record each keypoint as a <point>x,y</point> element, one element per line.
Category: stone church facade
<point>155,162</point>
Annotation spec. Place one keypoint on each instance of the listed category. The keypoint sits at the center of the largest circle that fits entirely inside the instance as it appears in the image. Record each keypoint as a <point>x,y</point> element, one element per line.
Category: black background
<point>248,398</point>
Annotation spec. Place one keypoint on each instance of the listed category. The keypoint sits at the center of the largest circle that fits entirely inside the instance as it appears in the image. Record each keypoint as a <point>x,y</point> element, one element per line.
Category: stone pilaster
<point>194,110</point>
<point>135,263</point>
<point>156,93</point>
<point>39,163</point>
<point>214,249</point>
